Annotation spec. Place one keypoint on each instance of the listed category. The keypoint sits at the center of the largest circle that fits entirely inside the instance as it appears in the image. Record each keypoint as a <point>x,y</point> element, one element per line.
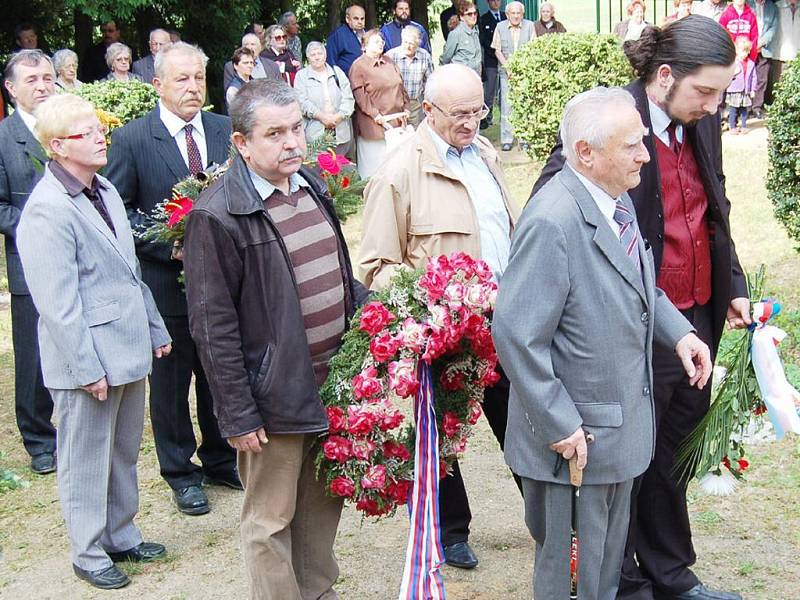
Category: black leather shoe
<point>460,555</point>
<point>144,552</point>
<point>42,464</point>
<point>229,479</point>
<point>701,592</point>
<point>191,500</point>
<point>109,578</point>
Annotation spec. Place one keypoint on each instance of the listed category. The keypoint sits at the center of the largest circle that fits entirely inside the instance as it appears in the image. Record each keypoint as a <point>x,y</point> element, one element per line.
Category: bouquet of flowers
<point>344,184</point>
<point>439,316</point>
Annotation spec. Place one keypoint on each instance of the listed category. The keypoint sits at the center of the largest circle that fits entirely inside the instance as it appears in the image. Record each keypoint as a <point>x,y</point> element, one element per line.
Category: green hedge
<point>124,100</point>
<point>783,177</point>
<point>548,71</point>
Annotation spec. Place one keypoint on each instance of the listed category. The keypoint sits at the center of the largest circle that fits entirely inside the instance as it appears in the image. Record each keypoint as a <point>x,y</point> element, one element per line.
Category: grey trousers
<point>506,131</point>
<point>490,88</point>
<point>98,445</point>
<point>603,512</point>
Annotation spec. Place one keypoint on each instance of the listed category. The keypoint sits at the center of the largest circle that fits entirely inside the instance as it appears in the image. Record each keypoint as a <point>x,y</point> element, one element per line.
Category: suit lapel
<point>33,149</point>
<point>217,140</point>
<point>604,238</point>
<point>167,147</point>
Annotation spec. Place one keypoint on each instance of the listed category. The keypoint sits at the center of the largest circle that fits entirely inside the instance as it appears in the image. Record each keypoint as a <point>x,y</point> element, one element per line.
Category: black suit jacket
<point>728,280</point>
<point>22,161</point>
<point>486,28</point>
<point>143,164</point>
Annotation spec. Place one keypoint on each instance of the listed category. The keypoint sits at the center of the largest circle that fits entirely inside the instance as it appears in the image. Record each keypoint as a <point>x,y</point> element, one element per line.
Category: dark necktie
<point>496,17</point>
<point>97,202</point>
<point>674,144</point>
<point>192,151</point>
<point>627,232</point>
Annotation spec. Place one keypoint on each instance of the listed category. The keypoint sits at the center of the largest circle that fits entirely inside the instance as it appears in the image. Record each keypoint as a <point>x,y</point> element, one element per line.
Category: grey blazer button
<point>646,390</point>
<point>645,317</point>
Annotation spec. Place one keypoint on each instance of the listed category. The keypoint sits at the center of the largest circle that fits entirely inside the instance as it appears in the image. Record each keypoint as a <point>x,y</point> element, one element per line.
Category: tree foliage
<point>783,176</point>
<point>548,71</point>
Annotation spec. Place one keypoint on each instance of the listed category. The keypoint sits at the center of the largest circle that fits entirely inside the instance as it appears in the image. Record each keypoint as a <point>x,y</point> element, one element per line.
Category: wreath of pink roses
<point>440,315</point>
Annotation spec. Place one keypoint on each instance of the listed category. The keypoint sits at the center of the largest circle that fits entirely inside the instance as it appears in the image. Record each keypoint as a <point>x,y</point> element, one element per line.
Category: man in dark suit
<point>94,66</point>
<point>683,213</point>
<point>147,157</point>
<point>486,27</point>
<point>145,66</point>
<point>29,79</point>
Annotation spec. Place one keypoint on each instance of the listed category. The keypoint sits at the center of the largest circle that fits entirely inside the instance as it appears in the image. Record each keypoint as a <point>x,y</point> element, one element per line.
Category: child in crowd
<point>739,95</point>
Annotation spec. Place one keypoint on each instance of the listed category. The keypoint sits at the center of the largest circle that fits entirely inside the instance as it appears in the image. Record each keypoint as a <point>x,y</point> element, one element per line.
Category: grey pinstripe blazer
<point>97,317</point>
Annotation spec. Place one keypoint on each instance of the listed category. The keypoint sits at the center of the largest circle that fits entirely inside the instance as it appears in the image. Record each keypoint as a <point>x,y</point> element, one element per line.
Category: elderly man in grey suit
<point>145,67</point>
<point>98,331</point>
<point>29,78</point>
<point>576,317</point>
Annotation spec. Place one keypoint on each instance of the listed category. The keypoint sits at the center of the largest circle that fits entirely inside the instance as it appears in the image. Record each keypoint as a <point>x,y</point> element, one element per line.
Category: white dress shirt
<point>28,119</point>
<point>659,121</point>
<point>606,204</point>
<point>493,220</point>
<point>265,188</point>
<point>175,125</point>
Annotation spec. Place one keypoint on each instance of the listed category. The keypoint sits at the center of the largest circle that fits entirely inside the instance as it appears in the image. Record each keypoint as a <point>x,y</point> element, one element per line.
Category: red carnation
<point>342,486</point>
<point>374,317</point>
<point>366,384</point>
<point>336,419</point>
<point>330,162</point>
<point>337,448</point>
<point>363,449</point>
<point>360,421</point>
<point>391,420</point>
<point>490,378</point>
<point>383,347</point>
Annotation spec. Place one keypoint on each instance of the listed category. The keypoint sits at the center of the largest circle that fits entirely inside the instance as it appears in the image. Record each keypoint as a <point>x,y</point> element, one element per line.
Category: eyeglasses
<point>278,37</point>
<point>471,13</point>
<point>463,118</point>
<point>92,133</point>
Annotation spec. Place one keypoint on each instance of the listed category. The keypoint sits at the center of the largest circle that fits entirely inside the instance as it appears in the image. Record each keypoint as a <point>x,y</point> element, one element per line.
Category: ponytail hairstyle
<point>685,45</point>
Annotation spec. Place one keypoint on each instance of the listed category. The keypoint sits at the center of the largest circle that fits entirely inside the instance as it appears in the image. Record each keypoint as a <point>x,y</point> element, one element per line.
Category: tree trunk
<point>371,13</point>
<point>83,32</point>
<point>419,12</point>
<point>334,15</point>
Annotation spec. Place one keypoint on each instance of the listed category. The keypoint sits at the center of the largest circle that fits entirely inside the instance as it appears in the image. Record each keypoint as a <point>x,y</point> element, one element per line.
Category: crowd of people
<point>269,285</point>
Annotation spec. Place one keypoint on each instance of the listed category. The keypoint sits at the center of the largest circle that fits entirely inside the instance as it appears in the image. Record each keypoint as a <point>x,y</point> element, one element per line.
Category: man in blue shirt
<point>344,44</point>
<point>402,18</point>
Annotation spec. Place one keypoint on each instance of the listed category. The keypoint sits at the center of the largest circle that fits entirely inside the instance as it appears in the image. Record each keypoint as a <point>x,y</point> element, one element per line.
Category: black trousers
<point>33,404</point>
<point>762,79</point>
<point>454,512</point>
<point>659,548</point>
<point>172,423</point>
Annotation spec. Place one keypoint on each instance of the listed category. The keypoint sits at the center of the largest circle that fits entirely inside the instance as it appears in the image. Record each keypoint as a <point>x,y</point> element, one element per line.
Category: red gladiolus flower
<point>177,209</point>
<point>332,163</point>
<point>374,317</point>
<point>743,464</point>
<point>343,486</point>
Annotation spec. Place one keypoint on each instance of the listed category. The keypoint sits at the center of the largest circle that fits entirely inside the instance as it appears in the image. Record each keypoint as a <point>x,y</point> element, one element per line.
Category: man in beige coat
<point>443,191</point>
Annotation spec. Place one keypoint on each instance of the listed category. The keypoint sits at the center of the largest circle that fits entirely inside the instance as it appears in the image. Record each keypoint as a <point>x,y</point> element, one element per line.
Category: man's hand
<point>739,313</point>
<point>162,351</point>
<point>696,359</point>
<point>576,443</point>
<point>249,442</point>
<point>98,389</point>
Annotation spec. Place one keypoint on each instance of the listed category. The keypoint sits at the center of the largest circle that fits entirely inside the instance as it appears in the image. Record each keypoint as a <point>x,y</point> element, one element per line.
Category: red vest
<point>685,273</point>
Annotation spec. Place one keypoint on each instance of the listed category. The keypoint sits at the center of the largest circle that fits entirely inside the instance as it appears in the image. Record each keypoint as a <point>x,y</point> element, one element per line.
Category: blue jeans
<point>734,112</point>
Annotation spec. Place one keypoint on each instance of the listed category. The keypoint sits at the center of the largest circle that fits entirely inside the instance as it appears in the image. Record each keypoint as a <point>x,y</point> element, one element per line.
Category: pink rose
<point>383,347</point>
<point>392,449</point>
<point>342,486</point>
<point>374,317</point>
<point>374,478</point>
<point>391,419</point>
<point>366,384</point>
<point>434,283</point>
<point>337,448</point>
<point>360,421</point>
<point>451,424</point>
<point>336,419</point>
<point>474,412</point>
<point>412,335</point>
<point>363,449</point>
<point>403,377</point>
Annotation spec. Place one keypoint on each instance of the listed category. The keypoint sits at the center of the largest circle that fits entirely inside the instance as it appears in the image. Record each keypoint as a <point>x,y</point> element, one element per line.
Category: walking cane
<point>575,480</point>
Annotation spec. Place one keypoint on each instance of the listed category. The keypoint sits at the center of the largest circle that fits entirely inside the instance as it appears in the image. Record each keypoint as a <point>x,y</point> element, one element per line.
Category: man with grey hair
<point>344,44</point>
<point>29,80</point>
<point>270,291</point>
<point>443,191</point>
<point>288,21</point>
<point>145,67</point>
<point>147,157</point>
<point>578,244</point>
<point>264,67</point>
<point>416,66</point>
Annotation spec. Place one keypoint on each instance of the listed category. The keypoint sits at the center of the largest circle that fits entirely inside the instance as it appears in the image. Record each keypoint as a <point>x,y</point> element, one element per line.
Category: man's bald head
<point>453,103</point>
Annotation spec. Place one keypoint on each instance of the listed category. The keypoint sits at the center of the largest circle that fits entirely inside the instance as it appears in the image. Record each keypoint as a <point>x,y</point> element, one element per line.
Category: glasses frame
<point>464,118</point>
<point>103,129</point>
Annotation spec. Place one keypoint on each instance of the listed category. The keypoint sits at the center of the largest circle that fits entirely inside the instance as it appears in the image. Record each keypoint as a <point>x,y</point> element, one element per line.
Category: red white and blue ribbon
<point>424,555</point>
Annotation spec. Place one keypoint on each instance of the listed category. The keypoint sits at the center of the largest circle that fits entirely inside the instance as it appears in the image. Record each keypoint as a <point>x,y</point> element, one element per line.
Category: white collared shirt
<point>175,125</point>
<point>606,204</point>
<point>493,221</point>
<point>265,188</point>
<point>28,119</point>
<point>659,121</point>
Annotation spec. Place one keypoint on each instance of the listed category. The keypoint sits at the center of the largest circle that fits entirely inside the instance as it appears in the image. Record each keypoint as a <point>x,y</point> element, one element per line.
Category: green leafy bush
<point>124,100</point>
<point>783,176</point>
<point>548,71</point>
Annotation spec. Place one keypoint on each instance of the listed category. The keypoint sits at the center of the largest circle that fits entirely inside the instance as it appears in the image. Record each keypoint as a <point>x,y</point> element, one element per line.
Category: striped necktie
<point>192,151</point>
<point>627,232</point>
